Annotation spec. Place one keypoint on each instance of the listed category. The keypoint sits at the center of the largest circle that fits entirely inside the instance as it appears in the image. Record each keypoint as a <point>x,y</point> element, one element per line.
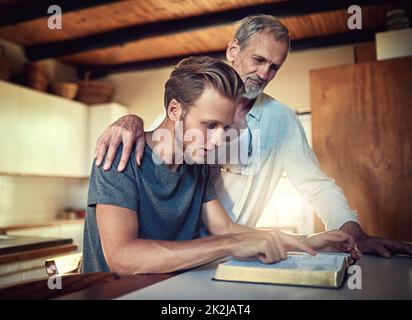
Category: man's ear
<point>232,50</point>
<point>174,110</point>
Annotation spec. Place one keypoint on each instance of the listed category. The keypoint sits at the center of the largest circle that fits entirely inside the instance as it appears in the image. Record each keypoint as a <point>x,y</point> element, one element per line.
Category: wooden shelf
<point>15,174</point>
<point>37,253</point>
<point>5,229</point>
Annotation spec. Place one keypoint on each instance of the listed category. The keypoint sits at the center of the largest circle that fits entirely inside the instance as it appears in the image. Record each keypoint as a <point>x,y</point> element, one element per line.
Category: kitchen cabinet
<point>10,128</point>
<point>42,134</point>
<point>53,136</point>
<point>72,230</point>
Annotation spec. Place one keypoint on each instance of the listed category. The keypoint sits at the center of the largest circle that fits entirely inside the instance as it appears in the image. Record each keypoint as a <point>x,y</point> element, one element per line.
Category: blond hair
<point>190,77</point>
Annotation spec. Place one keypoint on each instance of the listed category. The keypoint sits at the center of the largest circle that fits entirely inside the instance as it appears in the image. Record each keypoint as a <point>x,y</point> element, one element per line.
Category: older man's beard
<point>253,90</point>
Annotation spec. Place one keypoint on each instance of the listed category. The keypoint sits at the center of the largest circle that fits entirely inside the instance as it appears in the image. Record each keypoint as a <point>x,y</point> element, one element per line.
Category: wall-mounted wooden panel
<point>365,52</point>
<point>362,135</point>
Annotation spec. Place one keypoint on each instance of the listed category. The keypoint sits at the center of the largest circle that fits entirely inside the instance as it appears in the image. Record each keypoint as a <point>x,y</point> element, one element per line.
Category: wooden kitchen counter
<point>22,226</point>
<point>23,257</point>
<point>54,250</point>
<point>83,286</point>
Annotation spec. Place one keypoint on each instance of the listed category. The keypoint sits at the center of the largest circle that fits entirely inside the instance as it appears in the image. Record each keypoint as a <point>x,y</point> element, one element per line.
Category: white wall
<point>141,91</point>
<point>291,84</point>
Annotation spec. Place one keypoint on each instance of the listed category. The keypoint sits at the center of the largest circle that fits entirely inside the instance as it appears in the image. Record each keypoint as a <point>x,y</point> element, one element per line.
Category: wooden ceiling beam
<point>351,37</point>
<point>134,33</point>
<point>102,71</point>
<point>21,11</point>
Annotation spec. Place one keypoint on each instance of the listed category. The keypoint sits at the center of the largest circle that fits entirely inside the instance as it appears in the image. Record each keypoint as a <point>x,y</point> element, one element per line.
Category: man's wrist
<point>303,238</point>
<point>229,244</point>
<point>354,229</point>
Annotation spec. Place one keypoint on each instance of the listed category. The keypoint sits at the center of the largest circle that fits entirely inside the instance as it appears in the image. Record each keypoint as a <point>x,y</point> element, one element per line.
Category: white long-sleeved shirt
<point>276,143</point>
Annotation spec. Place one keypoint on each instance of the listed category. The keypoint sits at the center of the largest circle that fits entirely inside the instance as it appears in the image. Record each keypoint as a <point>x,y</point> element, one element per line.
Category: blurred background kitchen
<point>60,88</point>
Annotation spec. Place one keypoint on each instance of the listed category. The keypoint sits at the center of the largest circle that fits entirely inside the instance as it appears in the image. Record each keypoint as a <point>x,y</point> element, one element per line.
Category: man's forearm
<point>155,256</point>
<point>238,228</point>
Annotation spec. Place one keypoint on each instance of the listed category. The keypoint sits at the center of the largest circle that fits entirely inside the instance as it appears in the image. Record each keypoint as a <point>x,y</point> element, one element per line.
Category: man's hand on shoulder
<point>128,130</point>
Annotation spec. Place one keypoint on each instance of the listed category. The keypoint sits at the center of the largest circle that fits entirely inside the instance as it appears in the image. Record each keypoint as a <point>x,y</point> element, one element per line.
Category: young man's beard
<point>181,146</point>
<point>179,141</point>
<point>189,149</point>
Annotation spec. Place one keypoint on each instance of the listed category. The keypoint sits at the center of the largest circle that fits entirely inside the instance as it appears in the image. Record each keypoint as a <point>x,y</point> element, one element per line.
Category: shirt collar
<point>256,110</point>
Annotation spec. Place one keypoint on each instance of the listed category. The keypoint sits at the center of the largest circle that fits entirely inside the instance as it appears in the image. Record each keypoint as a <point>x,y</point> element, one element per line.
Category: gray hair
<point>252,25</point>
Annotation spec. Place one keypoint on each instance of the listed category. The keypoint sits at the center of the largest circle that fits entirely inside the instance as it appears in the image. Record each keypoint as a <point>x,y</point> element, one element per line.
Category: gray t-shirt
<point>167,203</point>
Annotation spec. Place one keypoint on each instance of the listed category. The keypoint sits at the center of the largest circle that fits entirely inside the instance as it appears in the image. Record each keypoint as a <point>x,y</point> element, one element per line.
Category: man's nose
<point>263,73</point>
<point>217,137</point>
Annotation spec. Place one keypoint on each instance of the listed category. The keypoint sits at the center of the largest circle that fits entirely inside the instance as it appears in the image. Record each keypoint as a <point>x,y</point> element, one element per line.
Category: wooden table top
<point>382,279</point>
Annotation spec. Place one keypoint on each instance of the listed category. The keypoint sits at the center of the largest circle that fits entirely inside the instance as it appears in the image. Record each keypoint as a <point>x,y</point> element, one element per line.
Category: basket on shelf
<point>92,92</point>
<point>36,76</point>
<point>65,89</point>
<point>5,65</point>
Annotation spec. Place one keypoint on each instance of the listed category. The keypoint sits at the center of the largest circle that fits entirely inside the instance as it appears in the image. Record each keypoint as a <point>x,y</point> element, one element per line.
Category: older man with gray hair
<point>258,50</point>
